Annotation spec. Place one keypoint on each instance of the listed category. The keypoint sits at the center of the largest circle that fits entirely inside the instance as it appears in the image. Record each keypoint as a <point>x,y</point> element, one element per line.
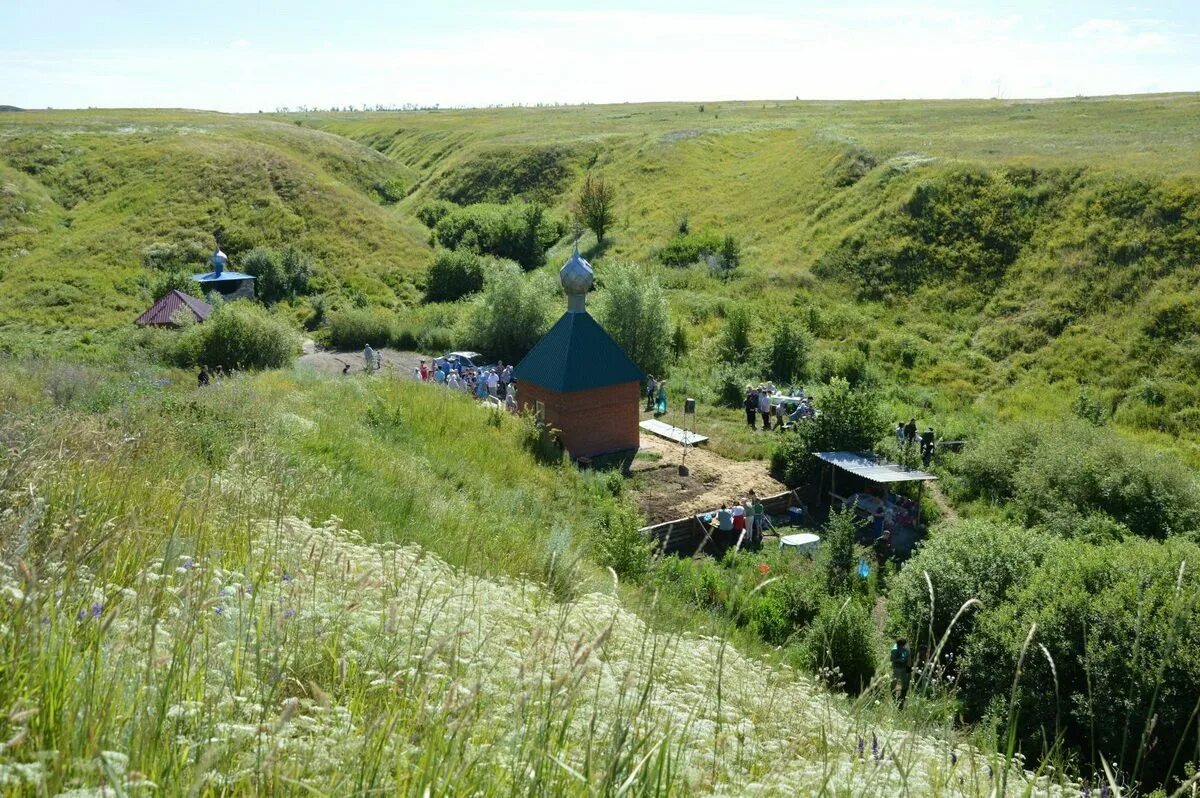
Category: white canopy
<point>864,465</point>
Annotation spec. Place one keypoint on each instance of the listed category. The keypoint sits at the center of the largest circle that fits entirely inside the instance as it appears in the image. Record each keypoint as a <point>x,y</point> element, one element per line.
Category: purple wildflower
<point>289,613</point>
<point>81,614</point>
<point>287,577</point>
<point>97,609</point>
<point>188,563</point>
<point>861,744</point>
<point>953,758</point>
<point>219,610</point>
<point>875,746</point>
<point>1104,791</point>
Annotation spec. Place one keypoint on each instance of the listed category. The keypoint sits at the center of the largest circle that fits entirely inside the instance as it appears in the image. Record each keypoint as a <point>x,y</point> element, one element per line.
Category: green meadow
<point>292,583</point>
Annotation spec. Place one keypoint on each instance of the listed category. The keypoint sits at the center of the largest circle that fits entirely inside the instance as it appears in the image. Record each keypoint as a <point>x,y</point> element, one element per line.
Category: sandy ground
<point>711,480</point>
<point>395,362</point>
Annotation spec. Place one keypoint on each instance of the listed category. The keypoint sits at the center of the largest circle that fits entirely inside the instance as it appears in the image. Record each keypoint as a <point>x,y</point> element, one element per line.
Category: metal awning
<point>865,465</point>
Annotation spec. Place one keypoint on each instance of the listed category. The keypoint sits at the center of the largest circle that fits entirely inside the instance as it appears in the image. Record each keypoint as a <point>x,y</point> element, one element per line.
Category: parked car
<point>471,360</point>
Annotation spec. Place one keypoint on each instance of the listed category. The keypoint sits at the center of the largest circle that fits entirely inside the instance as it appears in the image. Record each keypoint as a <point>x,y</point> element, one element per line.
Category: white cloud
<point>1125,37</point>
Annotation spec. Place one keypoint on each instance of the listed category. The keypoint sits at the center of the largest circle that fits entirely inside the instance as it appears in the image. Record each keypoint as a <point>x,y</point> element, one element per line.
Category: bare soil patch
<point>395,362</point>
<point>663,494</point>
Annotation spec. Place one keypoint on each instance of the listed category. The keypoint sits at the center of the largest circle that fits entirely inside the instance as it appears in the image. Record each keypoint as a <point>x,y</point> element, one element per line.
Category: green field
<point>1021,275</point>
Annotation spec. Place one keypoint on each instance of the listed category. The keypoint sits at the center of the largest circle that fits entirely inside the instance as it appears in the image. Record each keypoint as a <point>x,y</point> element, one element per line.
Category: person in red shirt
<point>424,372</point>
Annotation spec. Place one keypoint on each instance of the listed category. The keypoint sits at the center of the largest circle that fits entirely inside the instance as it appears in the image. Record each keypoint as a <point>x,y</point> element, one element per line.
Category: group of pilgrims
<point>786,409</point>
<point>494,383</point>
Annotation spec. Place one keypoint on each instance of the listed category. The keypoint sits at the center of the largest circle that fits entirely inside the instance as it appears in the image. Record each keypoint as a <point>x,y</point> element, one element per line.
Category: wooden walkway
<point>672,433</point>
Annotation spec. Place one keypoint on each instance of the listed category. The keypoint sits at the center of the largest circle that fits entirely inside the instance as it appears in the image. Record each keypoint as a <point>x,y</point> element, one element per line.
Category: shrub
<point>280,274</point>
<point>1121,623</point>
<point>731,381</point>
<point>788,352</point>
<point>840,644</point>
<point>734,343</point>
<point>503,174</point>
<point>850,419</point>
<point>984,560</point>
<point>838,555</point>
<point>721,253</point>
<point>452,275</point>
<point>509,315</point>
<point>433,212</point>
<point>619,544</point>
<point>516,231</point>
<point>1060,474</point>
<point>239,335</point>
<point>354,328</point>
<point>633,309</point>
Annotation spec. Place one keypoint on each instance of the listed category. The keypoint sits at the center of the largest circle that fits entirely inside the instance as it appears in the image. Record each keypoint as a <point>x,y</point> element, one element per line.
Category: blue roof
<point>576,355</point>
<point>213,277</point>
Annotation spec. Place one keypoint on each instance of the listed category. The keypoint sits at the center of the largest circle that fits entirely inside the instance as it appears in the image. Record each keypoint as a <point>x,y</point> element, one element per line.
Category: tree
<point>633,309</point>
<point>735,338</point>
<point>509,315</point>
<point>850,419</point>
<point>594,205</point>
<point>789,352</point>
<point>280,275</point>
<point>838,534</point>
<point>454,273</point>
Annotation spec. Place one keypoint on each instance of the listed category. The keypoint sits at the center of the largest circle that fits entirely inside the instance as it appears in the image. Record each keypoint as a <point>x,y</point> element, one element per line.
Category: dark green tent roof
<point>577,354</point>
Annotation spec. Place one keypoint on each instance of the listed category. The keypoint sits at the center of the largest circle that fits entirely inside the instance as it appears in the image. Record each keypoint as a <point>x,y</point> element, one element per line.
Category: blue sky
<point>247,56</point>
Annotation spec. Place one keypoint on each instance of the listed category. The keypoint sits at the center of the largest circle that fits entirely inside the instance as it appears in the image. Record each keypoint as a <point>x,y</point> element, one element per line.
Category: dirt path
<point>664,495</point>
<point>948,512</point>
<point>395,362</point>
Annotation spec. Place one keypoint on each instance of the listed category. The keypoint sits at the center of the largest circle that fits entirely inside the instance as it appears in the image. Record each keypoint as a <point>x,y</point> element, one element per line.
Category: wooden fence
<point>687,536</point>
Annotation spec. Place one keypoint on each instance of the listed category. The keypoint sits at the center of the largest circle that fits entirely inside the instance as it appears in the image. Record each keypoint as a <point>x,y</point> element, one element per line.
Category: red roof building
<point>167,311</point>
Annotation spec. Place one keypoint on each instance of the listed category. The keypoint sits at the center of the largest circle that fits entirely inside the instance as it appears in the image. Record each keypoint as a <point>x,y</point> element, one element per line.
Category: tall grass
<point>170,620</point>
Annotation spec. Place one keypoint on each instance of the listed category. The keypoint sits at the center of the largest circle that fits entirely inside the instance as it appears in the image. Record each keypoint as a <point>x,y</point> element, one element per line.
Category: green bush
<point>850,420</point>
<point>354,328</point>
<point>838,556</point>
<point>537,174</point>
<point>509,315</point>
<point>731,381</point>
<point>433,212</point>
<point>280,275</point>
<point>619,544</point>
<point>1121,623</point>
<point>984,560</point>
<point>788,352</point>
<point>734,343</point>
<point>721,252</point>
<point>633,309</point>
<point>239,335</point>
<point>516,231</point>
<point>1059,475</point>
<point>452,275</point>
<point>840,644</point>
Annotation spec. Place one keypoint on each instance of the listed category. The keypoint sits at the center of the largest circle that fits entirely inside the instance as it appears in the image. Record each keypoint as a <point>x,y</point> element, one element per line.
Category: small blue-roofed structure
<point>230,285</point>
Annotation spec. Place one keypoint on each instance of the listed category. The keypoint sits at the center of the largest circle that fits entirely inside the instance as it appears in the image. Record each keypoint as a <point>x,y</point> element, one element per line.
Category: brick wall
<point>597,421</point>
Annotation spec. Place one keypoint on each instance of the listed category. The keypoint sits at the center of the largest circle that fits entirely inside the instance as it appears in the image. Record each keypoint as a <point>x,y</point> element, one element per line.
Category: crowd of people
<point>775,406</point>
<point>906,436</point>
<point>493,383</point>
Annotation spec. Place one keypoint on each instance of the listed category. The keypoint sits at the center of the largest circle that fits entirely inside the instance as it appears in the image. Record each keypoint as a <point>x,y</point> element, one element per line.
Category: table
<point>801,541</point>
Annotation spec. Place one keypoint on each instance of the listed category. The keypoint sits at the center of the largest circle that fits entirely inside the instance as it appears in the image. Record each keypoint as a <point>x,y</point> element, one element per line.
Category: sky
<point>251,56</point>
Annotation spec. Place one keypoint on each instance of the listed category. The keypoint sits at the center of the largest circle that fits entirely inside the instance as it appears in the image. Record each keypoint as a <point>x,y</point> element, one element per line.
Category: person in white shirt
<point>493,382</point>
<point>764,406</point>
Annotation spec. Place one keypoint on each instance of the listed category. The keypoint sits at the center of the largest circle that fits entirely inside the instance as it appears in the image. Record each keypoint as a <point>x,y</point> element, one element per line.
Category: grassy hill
<point>171,621</point>
<point>976,251</point>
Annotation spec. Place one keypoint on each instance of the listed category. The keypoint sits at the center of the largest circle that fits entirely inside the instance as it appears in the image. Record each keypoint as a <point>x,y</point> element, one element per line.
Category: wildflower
<point>289,613</point>
<point>861,745</point>
<point>953,758</point>
<point>188,563</point>
<point>875,747</point>
<point>219,610</point>
<point>764,569</point>
<point>97,610</point>
<point>287,577</point>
